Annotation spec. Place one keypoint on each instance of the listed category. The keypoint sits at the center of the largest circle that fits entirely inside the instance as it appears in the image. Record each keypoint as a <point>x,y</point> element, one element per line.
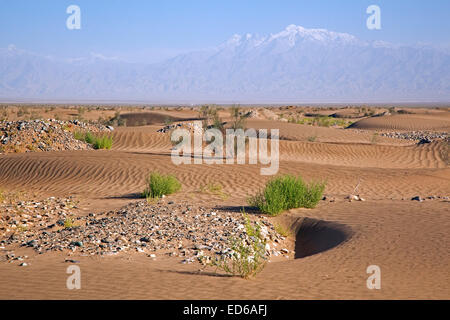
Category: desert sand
<point>334,243</point>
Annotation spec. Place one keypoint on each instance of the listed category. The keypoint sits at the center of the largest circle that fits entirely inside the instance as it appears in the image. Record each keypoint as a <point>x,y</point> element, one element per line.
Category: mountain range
<point>294,65</point>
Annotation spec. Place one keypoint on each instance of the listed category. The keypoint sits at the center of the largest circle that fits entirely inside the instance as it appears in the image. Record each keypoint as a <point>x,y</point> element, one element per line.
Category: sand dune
<point>412,256</point>
<point>410,122</point>
<point>334,242</point>
<point>117,173</point>
<point>365,155</point>
<point>297,132</point>
<point>147,118</point>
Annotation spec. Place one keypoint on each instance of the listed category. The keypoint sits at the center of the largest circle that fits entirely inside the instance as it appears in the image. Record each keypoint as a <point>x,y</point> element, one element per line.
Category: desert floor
<point>408,240</point>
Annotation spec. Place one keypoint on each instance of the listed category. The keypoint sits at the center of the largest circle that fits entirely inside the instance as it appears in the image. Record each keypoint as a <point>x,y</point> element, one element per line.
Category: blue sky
<point>140,30</point>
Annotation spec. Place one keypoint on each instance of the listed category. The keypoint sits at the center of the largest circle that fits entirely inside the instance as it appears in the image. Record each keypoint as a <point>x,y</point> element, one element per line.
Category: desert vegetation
<point>287,192</point>
<point>246,257</point>
<point>159,185</point>
<point>214,189</point>
<point>98,142</point>
<point>398,163</point>
<point>321,121</point>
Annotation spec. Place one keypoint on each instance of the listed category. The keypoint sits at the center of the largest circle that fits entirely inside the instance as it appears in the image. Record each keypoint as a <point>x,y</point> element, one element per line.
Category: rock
<point>76,243</point>
<point>37,137</point>
<point>71,261</point>
<point>423,137</point>
<point>424,141</point>
<point>32,243</point>
<point>142,227</point>
<point>417,198</point>
<point>23,264</point>
<point>284,250</point>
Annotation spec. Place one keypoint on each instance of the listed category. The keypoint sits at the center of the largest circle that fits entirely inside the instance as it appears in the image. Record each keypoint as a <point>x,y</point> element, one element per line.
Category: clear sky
<point>145,29</point>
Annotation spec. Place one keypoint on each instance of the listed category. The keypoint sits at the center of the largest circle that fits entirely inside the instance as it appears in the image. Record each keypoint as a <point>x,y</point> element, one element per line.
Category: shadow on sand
<point>316,236</point>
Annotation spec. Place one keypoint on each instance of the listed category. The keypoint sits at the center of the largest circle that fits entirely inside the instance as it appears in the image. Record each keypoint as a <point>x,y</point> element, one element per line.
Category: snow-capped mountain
<point>296,64</point>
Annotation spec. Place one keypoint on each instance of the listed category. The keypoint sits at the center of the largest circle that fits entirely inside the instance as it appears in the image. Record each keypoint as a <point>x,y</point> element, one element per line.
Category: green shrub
<point>214,188</point>
<point>312,138</point>
<point>98,142</point>
<point>321,121</point>
<point>68,223</point>
<point>287,192</point>
<point>246,257</point>
<point>159,185</point>
<point>103,142</point>
<point>285,232</point>
<point>79,135</point>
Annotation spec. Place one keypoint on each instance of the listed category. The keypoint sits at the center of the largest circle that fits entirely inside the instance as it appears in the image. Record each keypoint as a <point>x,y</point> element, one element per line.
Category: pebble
<point>354,198</point>
<point>423,137</point>
<point>144,227</point>
<point>71,261</point>
<point>44,135</point>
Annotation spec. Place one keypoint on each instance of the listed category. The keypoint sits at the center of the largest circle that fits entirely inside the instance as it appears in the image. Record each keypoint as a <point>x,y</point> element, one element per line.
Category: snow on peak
<point>234,40</point>
<point>12,47</point>
<point>293,33</point>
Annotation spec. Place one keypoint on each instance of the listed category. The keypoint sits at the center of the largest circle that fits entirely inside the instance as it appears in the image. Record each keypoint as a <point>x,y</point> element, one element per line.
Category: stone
<point>143,227</point>
<point>77,243</point>
<point>71,261</point>
<point>32,243</point>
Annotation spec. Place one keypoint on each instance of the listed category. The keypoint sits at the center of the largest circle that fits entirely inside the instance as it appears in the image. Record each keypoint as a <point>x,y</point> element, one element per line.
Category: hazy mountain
<point>296,64</point>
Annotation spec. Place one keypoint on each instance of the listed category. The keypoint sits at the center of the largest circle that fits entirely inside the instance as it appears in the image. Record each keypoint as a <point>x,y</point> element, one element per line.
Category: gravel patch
<point>421,136</point>
<point>175,229</point>
<point>44,135</point>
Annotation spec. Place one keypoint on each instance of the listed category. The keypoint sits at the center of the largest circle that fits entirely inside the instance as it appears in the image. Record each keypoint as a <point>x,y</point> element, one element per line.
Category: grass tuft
<point>103,142</point>
<point>246,257</point>
<point>68,223</point>
<point>287,192</point>
<point>159,185</point>
<point>215,189</point>
<point>98,142</point>
<point>285,232</point>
